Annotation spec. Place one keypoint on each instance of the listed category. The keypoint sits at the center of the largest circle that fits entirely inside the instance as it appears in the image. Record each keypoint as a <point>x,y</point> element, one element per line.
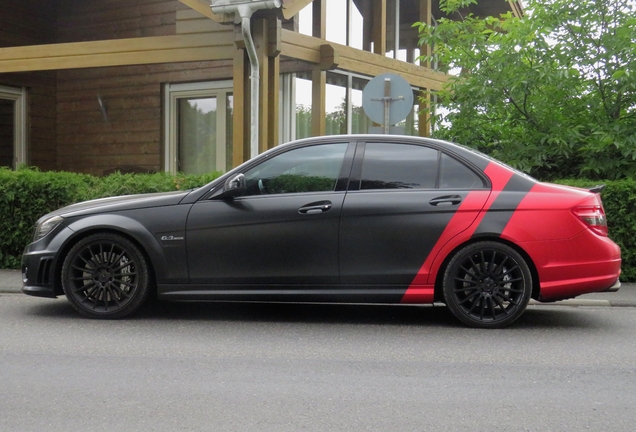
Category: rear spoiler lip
<point>597,189</point>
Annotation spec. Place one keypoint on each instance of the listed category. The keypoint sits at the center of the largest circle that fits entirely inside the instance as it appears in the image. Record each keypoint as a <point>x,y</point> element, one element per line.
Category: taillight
<point>593,217</point>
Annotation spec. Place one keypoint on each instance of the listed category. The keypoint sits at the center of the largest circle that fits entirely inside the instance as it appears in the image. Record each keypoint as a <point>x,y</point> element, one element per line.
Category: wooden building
<point>164,85</point>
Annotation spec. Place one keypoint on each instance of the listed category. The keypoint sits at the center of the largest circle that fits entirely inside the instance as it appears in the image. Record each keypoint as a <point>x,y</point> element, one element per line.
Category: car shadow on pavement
<point>415,315</point>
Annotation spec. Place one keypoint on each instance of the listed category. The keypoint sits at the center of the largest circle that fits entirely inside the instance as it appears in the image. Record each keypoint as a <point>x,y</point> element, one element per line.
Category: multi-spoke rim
<point>489,285</point>
<point>103,276</point>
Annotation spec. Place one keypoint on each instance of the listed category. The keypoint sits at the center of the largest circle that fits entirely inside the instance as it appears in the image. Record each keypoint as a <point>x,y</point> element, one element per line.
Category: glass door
<point>199,127</point>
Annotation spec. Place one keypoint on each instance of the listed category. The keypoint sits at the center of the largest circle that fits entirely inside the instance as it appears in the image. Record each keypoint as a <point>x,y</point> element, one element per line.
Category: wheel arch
<point>152,258</point>
<point>438,296</point>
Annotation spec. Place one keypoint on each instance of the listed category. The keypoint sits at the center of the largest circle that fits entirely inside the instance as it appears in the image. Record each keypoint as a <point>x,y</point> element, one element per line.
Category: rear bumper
<point>614,287</point>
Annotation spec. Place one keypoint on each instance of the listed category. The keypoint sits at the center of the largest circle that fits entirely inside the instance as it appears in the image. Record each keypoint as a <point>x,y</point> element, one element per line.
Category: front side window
<point>305,169</point>
<point>398,166</point>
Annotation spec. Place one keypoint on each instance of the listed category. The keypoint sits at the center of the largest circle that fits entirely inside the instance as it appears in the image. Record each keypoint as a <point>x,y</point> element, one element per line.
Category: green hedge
<point>27,194</point>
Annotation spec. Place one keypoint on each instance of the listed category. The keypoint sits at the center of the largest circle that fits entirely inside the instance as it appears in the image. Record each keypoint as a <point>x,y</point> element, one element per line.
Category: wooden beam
<point>239,119</point>
<point>319,19</point>
<point>379,27</point>
<point>273,80</point>
<point>259,33</point>
<point>318,102</point>
<point>118,52</point>
<point>329,57</point>
<point>307,48</point>
<point>292,7</point>
<point>424,117</point>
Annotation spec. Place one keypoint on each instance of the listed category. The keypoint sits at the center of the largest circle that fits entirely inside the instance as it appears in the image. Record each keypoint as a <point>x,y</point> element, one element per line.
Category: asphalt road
<point>244,367</point>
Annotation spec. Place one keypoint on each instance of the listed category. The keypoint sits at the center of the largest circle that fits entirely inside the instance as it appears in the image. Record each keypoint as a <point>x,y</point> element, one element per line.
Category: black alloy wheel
<point>105,276</point>
<point>487,285</point>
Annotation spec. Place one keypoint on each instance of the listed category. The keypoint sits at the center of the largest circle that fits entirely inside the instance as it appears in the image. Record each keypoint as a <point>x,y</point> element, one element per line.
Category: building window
<point>198,132</point>
<point>13,149</point>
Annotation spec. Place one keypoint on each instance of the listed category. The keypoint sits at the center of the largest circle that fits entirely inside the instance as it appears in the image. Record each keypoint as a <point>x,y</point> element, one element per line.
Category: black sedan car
<point>355,218</point>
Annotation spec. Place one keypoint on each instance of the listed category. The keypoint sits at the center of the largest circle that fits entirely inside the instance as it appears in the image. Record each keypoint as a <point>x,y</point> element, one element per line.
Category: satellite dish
<point>387,99</point>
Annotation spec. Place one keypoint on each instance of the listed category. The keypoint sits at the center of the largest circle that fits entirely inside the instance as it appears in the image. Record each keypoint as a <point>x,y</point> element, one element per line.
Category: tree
<point>552,93</point>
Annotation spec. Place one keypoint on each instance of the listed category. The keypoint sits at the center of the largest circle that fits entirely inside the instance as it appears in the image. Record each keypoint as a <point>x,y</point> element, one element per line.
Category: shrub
<point>27,194</point>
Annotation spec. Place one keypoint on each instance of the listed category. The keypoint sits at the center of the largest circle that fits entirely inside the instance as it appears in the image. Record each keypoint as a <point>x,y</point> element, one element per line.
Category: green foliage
<point>27,194</point>
<point>552,93</point>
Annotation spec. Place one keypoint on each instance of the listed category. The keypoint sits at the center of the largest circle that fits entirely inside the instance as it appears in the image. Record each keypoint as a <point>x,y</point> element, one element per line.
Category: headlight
<point>46,226</point>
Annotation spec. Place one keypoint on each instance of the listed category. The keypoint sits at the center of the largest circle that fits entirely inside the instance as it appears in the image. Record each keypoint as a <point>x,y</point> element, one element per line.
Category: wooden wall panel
<point>26,22</point>
<point>131,136</point>
<point>87,20</point>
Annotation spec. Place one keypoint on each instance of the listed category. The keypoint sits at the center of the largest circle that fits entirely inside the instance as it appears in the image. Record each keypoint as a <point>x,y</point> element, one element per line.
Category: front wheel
<point>105,276</point>
<point>487,285</point>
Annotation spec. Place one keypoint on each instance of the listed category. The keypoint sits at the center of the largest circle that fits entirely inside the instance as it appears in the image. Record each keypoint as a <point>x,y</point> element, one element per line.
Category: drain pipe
<point>243,10</point>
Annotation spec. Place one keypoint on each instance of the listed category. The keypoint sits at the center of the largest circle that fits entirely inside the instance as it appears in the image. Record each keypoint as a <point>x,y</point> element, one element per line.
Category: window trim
<point>171,94</point>
<point>19,97</point>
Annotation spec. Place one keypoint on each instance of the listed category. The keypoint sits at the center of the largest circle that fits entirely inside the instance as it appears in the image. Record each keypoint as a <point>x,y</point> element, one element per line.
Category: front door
<point>282,232</point>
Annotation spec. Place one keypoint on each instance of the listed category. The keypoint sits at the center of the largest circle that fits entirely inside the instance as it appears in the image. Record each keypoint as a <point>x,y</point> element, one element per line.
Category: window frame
<point>341,176</point>
<point>355,178</point>
<point>19,98</point>
<point>174,92</point>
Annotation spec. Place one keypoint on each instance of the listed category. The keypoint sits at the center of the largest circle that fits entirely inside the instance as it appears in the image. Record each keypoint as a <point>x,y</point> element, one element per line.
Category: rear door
<point>401,198</point>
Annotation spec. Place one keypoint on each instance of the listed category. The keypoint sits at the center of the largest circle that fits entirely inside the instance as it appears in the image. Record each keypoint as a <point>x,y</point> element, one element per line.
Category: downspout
<point>243,10</point>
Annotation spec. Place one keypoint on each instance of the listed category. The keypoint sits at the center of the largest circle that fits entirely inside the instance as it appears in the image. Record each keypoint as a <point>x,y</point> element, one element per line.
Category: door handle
<point>315,207</point>
<point>446,200</point>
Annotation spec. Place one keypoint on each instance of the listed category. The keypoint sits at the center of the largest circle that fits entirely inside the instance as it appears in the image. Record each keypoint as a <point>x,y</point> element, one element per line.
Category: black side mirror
<point>234,186</point>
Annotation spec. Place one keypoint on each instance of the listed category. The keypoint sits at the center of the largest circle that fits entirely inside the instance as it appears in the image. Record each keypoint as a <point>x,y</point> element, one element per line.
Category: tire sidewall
<point>448,285</point>
<point>142,291</point>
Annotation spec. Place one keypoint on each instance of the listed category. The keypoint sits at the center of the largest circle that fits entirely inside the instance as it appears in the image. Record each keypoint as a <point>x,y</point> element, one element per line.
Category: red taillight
<point>593,217</point>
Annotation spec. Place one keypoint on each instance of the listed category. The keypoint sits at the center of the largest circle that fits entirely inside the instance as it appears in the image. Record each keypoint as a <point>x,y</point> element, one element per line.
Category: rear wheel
<point>105,276</point>
<point>487,285</point>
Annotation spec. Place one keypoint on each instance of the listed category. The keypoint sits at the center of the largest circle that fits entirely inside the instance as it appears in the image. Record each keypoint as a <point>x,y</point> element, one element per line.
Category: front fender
<point>167,258</point>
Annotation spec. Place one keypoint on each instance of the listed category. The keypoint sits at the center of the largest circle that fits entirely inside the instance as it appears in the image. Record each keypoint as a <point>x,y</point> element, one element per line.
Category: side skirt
<point>284,293</point>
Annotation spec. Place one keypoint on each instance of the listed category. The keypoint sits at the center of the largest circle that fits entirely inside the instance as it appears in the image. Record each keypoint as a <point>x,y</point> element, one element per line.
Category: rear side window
<point>399,166</point>
<point>456,175</point>
<point>407,166</point>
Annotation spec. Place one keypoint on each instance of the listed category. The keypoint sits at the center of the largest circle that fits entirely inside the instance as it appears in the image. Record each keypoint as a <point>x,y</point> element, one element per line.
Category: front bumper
<point>37,275</point>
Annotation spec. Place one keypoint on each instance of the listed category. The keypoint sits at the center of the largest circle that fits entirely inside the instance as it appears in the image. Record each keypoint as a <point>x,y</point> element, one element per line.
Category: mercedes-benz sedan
<point>355,218</point>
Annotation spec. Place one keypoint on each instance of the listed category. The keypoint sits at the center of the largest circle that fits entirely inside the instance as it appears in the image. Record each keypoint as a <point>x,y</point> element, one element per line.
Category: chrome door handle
<point>315,207</point>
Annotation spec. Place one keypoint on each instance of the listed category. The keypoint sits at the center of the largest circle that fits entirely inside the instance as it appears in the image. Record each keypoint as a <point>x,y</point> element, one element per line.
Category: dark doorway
<point>7,120</point>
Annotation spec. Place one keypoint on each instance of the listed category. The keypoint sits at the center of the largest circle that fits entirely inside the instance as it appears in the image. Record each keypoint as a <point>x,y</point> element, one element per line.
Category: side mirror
<point>234,186</point>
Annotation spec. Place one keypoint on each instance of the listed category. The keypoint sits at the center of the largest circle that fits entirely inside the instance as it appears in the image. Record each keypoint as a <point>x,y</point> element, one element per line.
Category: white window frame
<point>19,97</point>
<point>173,92</point>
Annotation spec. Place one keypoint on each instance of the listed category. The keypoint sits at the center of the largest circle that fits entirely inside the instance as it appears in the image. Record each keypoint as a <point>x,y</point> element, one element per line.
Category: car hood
<point>119,203</point>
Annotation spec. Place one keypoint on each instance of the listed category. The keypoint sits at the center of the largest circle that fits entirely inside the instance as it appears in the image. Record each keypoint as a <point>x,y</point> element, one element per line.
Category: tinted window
<point>456,175</point>
<point>306,169</point>
<point>398,166</point>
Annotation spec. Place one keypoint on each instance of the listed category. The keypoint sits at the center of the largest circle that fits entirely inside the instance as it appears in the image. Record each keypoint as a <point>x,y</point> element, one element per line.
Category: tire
<point>487,285</point>
<point>105,276</point>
